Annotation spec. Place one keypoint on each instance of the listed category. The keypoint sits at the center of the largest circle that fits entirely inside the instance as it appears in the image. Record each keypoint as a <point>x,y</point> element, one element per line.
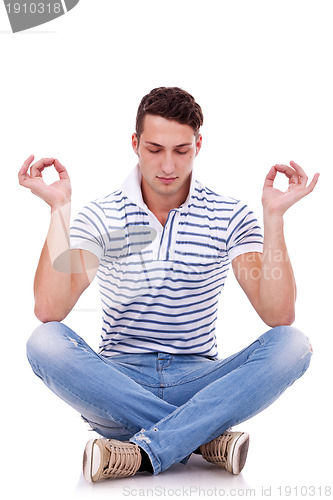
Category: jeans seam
<point>144,445</point>
<point>215,369</point>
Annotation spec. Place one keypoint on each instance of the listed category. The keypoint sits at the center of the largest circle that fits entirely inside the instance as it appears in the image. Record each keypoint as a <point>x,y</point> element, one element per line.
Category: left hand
<point>277,202</point>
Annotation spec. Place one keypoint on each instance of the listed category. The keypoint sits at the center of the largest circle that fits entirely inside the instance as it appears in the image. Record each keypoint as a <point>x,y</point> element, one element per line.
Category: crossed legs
<point>197,406</point>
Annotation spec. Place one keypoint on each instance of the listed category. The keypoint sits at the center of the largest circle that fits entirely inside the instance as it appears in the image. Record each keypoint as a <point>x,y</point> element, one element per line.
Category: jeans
<point>168,404</point>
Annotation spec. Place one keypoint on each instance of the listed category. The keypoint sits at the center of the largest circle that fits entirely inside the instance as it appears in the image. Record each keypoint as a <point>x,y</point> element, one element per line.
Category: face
<point>166,152</point>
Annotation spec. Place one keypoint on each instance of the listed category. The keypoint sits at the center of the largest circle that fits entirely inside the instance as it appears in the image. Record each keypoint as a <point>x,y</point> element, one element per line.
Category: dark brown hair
<point>172,103</point>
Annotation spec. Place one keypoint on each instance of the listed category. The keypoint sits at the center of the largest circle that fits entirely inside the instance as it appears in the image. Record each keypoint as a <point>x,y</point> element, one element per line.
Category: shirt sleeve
<point>243,233</point>
<point>89,230</point>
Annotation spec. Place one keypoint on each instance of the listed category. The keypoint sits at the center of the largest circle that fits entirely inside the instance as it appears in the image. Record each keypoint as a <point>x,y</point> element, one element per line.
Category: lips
<point>167,180</point>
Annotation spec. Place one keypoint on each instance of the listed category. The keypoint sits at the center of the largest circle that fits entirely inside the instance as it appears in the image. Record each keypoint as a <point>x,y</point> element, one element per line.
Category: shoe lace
<point>123,461</point>
<point>218,448</point>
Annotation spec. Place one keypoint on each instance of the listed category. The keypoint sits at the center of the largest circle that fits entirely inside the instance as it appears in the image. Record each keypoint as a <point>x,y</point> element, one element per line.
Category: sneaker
<point>109,458</point>
<point>228,451</point>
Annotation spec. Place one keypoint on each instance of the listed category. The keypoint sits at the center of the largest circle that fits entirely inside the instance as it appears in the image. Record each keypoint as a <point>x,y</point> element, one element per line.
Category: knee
<point>42,342</point>
<point>292,337</point>
<point>294,347</point>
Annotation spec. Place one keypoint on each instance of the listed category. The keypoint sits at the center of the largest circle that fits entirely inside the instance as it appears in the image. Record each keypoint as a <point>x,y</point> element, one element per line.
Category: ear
<point>198,144</point>
<point>135,143</point>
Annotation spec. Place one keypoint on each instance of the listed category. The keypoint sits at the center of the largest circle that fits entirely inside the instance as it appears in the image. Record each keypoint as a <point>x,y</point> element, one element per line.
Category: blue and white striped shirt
<point>160,285</point>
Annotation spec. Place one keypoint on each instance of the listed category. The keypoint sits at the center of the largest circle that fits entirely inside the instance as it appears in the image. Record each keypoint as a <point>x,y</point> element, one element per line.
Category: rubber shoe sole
<point>88,461</point>
<point>228,451</point>
<point>239,453</point>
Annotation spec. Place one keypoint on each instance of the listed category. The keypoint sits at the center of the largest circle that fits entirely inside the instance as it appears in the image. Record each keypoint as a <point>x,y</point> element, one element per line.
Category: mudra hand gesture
<point>276,202</point>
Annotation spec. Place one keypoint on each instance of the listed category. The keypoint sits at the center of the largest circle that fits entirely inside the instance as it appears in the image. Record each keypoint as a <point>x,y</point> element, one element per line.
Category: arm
<point>268,278</point>
<point>62,274</point>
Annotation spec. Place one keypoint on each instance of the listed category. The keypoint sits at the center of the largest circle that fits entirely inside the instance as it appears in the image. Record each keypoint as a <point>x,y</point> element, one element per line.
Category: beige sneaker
<point>228,451</point>
<point>109,458</point>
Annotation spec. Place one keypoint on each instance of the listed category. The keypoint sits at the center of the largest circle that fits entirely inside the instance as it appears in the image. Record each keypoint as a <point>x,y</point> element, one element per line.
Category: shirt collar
<point>131,188</point>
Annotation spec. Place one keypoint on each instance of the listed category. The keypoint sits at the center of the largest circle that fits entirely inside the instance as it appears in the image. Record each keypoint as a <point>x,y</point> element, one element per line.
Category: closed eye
<point>159,150</point>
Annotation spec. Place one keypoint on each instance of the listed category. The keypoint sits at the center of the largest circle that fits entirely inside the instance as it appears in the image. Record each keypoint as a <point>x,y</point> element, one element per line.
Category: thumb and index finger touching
<point>295,174</point>
<point>27,180</point>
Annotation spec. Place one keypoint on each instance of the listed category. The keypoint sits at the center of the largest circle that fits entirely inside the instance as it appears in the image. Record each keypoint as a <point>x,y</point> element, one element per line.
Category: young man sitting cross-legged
<point>161,247</point>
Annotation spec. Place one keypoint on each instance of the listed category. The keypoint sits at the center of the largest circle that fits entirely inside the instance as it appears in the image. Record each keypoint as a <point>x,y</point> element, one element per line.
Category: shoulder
<point>232,210</point>
<point>111,198</point>
<point>113,201</point>
<point>204,194</point>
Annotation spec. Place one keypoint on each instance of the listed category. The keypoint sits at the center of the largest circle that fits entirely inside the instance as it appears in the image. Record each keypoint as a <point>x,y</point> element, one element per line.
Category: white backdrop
<point>261,70</point>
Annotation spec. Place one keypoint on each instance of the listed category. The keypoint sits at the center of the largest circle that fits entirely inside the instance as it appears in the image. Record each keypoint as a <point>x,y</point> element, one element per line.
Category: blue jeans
<point>168,404</point>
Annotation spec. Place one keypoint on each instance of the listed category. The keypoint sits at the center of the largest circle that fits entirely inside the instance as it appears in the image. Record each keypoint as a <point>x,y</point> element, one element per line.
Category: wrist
<point>273,224</point>
<point>61,205</point>
<point>272,217</point>
<point>61,212</point>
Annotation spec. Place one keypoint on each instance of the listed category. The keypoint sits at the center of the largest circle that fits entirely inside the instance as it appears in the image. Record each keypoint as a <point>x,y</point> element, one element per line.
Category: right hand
<point>56,194</point>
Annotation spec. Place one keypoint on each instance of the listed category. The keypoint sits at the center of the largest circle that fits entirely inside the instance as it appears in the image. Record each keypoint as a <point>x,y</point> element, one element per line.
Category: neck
<point>159,204</point>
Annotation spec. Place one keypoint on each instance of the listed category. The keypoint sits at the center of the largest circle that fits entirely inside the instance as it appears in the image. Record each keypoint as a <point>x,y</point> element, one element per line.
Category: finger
<point>269,179</point>
<point>38,167</point>
<point>305,191</point>
<point>289,172</point>
<point>285,169</point>
<point>300,172</point>
<point>298,169</point>
<point>23,176</point>
<point>24,169</point>
<point>313,183</point>
<point>61,169</point>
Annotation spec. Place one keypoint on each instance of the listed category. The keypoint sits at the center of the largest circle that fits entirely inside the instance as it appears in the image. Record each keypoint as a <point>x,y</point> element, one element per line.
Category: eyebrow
<point>160,146</point>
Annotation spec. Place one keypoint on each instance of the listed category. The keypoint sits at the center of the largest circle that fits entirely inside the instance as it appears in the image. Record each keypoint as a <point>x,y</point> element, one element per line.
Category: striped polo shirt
<point>160,285</point>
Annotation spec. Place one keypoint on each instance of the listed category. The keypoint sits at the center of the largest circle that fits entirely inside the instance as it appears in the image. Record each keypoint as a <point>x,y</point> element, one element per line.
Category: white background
<point>262,72</point>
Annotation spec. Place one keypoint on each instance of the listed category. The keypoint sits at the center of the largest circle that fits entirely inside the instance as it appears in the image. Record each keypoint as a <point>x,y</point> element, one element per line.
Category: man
<point>161,247</point>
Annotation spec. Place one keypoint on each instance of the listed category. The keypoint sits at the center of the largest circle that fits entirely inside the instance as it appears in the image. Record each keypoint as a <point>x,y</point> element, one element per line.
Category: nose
<point>168,164</point>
